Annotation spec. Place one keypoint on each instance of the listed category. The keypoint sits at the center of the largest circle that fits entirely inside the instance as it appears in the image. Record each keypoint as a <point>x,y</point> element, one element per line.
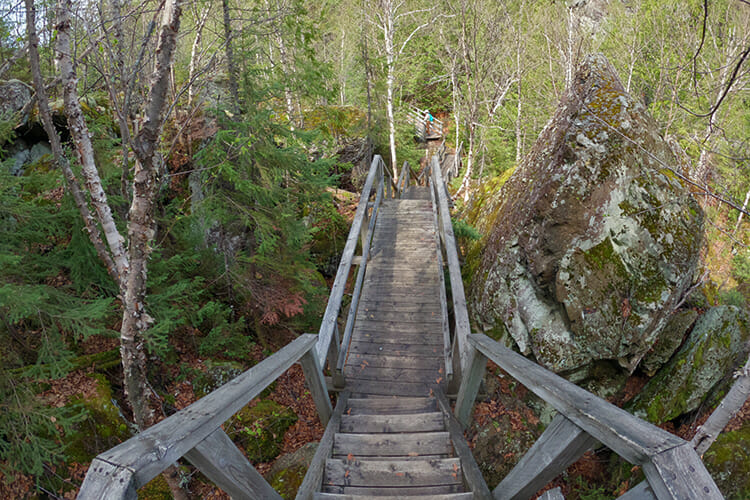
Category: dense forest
<point>177,179</point>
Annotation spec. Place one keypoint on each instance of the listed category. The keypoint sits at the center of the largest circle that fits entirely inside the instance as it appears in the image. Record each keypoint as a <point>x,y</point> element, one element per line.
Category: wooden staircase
<point>393,433</point>
<point>393,446</point>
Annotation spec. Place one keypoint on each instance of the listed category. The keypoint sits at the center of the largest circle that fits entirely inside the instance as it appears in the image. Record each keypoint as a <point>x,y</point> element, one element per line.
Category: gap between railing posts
<point>461,315</point>
<point>196,434</point>
<point>672,468</point>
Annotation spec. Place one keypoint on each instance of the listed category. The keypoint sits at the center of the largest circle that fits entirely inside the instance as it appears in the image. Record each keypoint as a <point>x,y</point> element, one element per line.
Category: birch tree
<point>389,16</point>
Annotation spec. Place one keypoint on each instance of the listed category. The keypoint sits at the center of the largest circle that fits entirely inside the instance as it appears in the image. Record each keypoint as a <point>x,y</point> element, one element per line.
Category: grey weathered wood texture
<point>467,391</point>
<point>672,467</point>
<point>553,494</point>
<point>561,444</point>
<point>223,463</point>
<point>462,328</point>
<point>472,474</point>
<point>330,317</point>
<point>130,465</point>
<point>317,385</point>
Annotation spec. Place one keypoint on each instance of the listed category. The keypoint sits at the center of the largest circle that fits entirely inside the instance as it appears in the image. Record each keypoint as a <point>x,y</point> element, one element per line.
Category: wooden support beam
<point>313,480</point>
<point>672,467</point>
<point>561,444</point>
<point>317,385</point>
<point>153,450</point>
<point>467,392</point>
<point>679,473</point>
<point>106,480</point>
<point>553,494</point>
<point>641,491</point>
<point>219,459</point>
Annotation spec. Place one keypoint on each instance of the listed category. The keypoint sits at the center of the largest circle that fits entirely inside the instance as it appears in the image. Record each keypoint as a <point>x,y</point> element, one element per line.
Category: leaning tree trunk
<point>57,151</point>
<point>228,49</point>
<point>82,140</point>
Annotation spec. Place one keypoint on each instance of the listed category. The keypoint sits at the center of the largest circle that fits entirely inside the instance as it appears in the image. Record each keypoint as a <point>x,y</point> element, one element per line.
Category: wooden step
<point>367,372</point>
<point>420,492</point>
<point>396,349</point>
<point>423,335</point>
<point>390,405</point>
<point>393,473</point>
<point>388,361</point>
<point>362,445</point>
<point>379,388</point>
<point>385,493</point>
<point>412,422</point>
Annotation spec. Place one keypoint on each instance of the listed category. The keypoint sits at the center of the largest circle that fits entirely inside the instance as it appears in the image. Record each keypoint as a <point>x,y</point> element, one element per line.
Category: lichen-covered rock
<point>728,462</point>
<point>14,97</point>
<point>593,239</point>
<point>669,340</point>
<point>288,472</point>
<point>717,344</point>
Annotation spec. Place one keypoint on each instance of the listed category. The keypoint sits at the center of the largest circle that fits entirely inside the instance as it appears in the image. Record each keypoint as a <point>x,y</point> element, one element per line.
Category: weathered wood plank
<point>388,361</point>
<point>317,385</point>
<point>467,391</point>
<point>362,406</point>
<point>561,444</point>
<point>678,473</point>
<point>153,450</point>
<point>630,437</point>
<point>395,349</point>
<point>393,473</point>
<point>386,445</point>
<point>553,494</point>
<point>396,337</point>
<point>390,318</point>
<point>106,480</point>
<point>395,388</point>
<point>219,459</point>
<point>641,491</point>
<point>367,372</point>
<point>314,476</point>
<point>403,306</point>
<point>342,274</point>
<point>412,422</point>
<point>381,491</point>
<point>461,314</point>
<point>472,474</point>
<point>344,496</point>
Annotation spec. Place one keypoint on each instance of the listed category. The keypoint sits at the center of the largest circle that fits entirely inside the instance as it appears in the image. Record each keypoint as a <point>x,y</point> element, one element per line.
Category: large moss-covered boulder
<point>288,472</point>
<point>593,239</point>
<point>728,462</point>
<point>14,97</point>
<point>669,340</point>
<point>717,344</point>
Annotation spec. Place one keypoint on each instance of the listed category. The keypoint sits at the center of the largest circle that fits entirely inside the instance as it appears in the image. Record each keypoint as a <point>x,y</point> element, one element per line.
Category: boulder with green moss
<point>288,472</point>
<point>669,340</point>
<point>592,241</point>
<point>717,344</point>
<point>260,429</point>
<point>728,462</point>
<point>103,428</point>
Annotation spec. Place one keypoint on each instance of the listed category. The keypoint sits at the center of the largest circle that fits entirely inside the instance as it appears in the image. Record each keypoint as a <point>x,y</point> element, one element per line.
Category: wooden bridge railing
<point>457,342</point>
<point>673,469</point>
<point>420,120</point>
<point>196,434</point>
<point>380,184</point>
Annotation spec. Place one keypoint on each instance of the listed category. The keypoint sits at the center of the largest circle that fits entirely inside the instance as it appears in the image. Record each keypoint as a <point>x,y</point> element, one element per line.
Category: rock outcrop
<point>717,344</point>
<point>15,96</point>
<point>593,239</point>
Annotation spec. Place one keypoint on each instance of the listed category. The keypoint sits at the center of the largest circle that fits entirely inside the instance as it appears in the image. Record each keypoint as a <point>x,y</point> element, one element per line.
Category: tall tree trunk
<point>82,140</point>
<point>194,53</point>
<point>234,92</point>
<point>390,78</point>
<point>57,151</point>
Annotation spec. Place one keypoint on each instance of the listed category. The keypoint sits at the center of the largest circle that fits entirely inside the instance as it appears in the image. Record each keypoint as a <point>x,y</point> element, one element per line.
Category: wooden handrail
<point>333,308</point>
<point>196,434</point>
<point>673,469</point>
<point>460,313</point>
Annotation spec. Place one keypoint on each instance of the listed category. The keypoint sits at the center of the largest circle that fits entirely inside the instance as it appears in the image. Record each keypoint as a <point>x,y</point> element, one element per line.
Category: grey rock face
<point>14,96</point>
<point>593,240</point>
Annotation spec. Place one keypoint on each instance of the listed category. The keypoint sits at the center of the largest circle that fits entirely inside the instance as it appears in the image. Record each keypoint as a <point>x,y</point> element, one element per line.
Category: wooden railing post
<point>561,444</point>
<point>223,463</point>
<point>467,392</point>
<point>317,385</point>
